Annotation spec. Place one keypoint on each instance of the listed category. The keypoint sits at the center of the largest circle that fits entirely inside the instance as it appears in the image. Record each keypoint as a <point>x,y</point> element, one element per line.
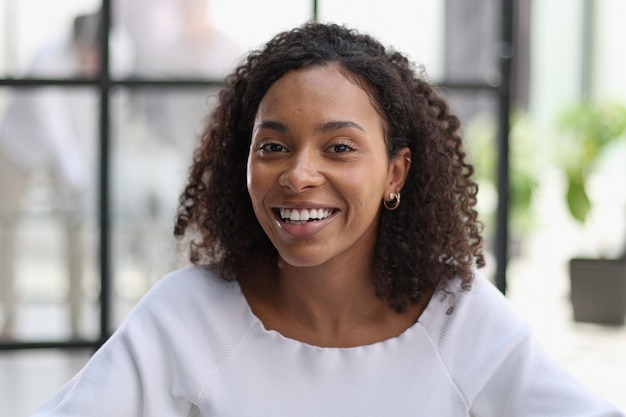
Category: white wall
<point>609,77</point>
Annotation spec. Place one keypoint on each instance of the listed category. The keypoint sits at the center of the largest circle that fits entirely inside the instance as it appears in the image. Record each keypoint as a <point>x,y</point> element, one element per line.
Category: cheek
<point>251,184</point>
<point>370,182</point>
<point>258,181</point>
<point>253,176</point>
<point>364,196</point>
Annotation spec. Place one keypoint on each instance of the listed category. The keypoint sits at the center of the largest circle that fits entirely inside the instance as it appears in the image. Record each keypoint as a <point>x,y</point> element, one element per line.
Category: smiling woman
<point>317,290</point>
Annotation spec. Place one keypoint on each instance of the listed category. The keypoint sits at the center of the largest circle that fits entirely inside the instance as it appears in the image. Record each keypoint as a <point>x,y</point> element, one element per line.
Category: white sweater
<point>192,347</point>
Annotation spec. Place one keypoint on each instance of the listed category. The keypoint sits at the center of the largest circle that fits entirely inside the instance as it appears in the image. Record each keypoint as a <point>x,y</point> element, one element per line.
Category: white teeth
<point>304,215</point>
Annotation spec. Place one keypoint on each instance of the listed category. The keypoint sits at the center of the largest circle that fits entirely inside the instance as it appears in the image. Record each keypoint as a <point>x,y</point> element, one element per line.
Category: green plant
<point>524,168</point>
<point>589,129</point>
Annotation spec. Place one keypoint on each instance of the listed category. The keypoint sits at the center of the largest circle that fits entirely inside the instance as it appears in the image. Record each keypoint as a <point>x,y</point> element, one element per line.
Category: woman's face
<point>318,168</point>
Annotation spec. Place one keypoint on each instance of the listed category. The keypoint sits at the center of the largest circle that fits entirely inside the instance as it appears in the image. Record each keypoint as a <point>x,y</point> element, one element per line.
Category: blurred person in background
<point>50,133</point>
<point>173,40</point>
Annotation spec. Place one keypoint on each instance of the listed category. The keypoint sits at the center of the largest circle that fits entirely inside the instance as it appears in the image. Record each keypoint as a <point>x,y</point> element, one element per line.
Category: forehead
<point>327,87</point>
<point>317,77</point>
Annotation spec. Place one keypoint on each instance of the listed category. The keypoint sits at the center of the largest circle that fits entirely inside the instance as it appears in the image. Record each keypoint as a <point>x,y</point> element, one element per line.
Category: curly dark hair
<point>432,237</point>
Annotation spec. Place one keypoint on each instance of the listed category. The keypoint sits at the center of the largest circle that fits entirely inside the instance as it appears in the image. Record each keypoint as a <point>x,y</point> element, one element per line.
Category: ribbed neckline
<point>282,339</point>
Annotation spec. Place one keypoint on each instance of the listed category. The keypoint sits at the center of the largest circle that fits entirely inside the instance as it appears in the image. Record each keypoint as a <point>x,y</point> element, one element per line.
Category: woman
<point>330,216</point>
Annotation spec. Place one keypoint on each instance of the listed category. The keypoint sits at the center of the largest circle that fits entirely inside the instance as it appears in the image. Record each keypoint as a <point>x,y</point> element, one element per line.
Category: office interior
<point>102,103</point>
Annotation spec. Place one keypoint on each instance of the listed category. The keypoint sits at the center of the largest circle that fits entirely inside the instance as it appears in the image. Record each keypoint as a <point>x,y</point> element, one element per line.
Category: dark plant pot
<point>598,290</point>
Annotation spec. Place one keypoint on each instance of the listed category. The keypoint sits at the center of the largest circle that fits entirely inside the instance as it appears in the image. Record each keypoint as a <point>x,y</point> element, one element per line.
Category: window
<point>101,141</point>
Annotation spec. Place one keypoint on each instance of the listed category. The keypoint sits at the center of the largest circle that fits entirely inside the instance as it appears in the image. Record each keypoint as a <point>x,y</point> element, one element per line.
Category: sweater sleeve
<point>517,377</point>
<point>155,364</point>
<point>528,382</point>
<point>498,365</point>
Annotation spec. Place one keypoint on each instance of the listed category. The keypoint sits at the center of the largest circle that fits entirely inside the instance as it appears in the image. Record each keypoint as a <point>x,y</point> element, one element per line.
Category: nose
<point>302,172</point>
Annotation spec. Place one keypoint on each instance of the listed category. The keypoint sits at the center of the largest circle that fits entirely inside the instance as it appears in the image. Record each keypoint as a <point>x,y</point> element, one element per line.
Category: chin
<point>305,261</point>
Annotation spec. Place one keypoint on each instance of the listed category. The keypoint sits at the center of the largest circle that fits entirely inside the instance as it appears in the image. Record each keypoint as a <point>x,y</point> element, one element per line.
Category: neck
<point>328,300</point>
<point>325,307</point>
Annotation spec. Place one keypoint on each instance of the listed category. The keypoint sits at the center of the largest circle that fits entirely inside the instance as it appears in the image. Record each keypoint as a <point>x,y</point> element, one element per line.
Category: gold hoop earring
<point>394,201</point>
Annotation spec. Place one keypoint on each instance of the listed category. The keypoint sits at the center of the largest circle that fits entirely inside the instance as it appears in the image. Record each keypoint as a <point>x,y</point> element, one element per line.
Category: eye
<point>341,148</point>
<point>270,148</point>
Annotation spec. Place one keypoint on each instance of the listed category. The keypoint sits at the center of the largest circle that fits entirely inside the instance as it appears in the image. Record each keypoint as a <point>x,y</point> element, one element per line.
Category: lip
<point>305,229</point>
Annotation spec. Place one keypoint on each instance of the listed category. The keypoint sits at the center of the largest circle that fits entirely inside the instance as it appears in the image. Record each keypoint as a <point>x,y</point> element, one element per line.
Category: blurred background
<point>102,103</point>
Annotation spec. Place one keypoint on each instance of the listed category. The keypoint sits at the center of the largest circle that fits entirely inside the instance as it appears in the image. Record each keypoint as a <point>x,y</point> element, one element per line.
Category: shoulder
<point>193,307</point>
<point>192,292</point>
<point>188,323</point>
<point>481,308</point>
<point>474,331</point>
<point>190,283</point>
<point>166,352</point>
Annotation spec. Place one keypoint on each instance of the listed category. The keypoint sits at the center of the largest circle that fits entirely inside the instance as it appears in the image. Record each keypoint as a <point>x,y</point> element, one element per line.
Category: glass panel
<point>28,379</point>
<point>478,112</point>
<point>472,33</point>
<point>156,130</point>
<point>48,235</point>
<point>201,38</point>
<point>45,39</point>
<point>415,28</point>
<point>469,105</point>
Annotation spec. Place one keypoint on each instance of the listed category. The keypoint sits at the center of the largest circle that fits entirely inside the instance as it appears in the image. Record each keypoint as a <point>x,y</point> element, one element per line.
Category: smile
<point>304,215</point>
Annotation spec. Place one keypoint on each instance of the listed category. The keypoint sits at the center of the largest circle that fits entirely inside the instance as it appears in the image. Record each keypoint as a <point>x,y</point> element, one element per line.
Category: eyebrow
<point>271,124</point>
<point>336,125</point>
<point>322,128</point>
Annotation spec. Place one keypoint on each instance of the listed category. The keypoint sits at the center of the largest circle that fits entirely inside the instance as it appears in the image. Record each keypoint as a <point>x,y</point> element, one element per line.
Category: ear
<point>398,171</point>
